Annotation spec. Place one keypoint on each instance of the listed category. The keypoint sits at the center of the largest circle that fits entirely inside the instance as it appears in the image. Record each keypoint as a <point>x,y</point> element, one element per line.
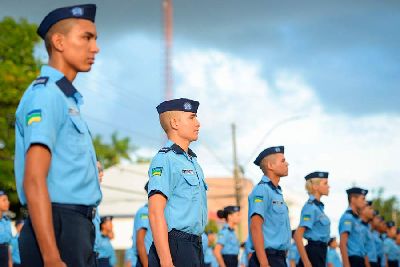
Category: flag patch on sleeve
<point>306,217</point>
<point>34,116</point>
<point>258,199</point>
<point>156,171</point>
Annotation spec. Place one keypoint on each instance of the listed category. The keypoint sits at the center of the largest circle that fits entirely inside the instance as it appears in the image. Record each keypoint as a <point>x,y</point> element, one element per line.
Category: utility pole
<point>168,37</point>
<point>236,175</point>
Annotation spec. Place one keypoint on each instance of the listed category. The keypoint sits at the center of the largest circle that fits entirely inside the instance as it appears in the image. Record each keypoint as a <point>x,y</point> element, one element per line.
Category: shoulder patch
<point>41,80</point>
<point>33,116</point>
<point>157,171</point>
<point>258,199</point>
<point>164,150</point>
<point>306,217</point>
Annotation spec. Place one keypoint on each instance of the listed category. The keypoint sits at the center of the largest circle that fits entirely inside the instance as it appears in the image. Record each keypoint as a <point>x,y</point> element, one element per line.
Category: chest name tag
<point>187,171</point>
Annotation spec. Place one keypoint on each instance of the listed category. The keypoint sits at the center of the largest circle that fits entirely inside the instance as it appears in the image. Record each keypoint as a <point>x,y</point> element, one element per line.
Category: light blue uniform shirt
<point>15,250</point>
<point>378,243</point>
<point>208,253</point>
<point>96,223</point>
<point>177,175</point>
<point>229,241</point>
<point>142,221</point>
<point>313,218</point>
<point>49,114</point>
<point>351,223</point>
<point>130,256</point>
<point>293,254</point>
<point>106,250</point>
<point>267,201</point>
<point>333,258</point>
<point>5,230</point>
<point>391,249</point>
<point>369,242</point>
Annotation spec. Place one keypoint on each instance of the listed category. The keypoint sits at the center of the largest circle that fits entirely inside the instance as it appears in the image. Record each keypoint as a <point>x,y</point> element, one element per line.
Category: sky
<point>319,77</point>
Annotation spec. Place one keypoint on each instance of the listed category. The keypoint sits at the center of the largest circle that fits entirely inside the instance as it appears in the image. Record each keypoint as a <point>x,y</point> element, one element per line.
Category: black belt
<point>87,211</point>
<point>182,235</point>
<point>317,243</point>
<point>271,251</point>
<point>4,245</point>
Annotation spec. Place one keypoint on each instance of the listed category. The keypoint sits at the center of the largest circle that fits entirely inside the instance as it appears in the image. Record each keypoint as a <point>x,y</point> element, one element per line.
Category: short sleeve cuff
<point>39,140</point>
<point>256,213</point>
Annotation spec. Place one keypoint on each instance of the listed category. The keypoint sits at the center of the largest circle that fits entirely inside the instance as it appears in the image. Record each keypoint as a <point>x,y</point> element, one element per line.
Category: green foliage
<point>111,154</point>
<point>18,68</point>
<point>387,207</point>
<point>212,226</point>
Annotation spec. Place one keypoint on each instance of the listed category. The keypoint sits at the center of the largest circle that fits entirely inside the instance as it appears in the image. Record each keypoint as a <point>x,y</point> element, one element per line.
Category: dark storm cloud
<point>347,51</point>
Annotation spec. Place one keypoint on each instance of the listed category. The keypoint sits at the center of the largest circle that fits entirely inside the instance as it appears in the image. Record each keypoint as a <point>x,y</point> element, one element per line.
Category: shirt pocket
<point>279,208</point>
<point>192,188</point>
<point>77,134</point>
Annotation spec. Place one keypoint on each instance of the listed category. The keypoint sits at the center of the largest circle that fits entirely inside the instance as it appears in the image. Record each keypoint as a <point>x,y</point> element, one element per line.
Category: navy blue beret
<point>231,209</point>
<point>317,175</point>
<point>357,191</point>
<point>390,224</point>
<point>2,192</point>
<point>267,152</point>
<point>181,104</point>
<point>105,218</point>
<point>87,12</point>
<point>369,202</point>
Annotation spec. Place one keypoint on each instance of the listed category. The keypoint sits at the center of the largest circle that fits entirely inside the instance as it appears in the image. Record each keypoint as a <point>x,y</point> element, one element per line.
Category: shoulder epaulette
<point>164,150</point>
<point>41,80</point>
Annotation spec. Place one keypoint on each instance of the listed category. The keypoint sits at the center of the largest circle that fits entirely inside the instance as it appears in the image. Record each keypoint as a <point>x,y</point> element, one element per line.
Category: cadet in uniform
<point>376,234</point>
<point>350,229</point>
<point>366,215</point>
<point>177,190</point>
<point>208,239</point>
<point>314,224</point>
<point>55,162</point>
<point>390,248</point>
<point>142,234</point>
<point>268,213</point>
<point>14,244</point>
<point>106,253</point>
<point>332,257</point>
<point>293,253</point>
<point>5,230</point>
<point>227,249</point>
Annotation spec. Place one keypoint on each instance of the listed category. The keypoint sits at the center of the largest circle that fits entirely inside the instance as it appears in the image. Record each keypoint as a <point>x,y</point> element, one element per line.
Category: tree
<point>18,68</point>
<point>112,154</point>
<point>388,208</point>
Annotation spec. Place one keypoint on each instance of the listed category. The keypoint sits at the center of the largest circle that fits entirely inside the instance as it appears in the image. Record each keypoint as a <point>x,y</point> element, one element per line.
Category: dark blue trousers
<point>74,234</point>
<point>230,260</point>
<point>316,254</point>
<point>3,255</point>
<point>186,250</point>
<point>275,259</point>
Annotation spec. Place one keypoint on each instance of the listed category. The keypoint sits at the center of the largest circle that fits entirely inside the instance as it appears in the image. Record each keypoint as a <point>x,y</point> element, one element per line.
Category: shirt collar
<point>227,226</point>
<point>178,150</point>
<point>349,210</point>
<point>62,82</point>
<point>315,201</point>
<point>265,179</point>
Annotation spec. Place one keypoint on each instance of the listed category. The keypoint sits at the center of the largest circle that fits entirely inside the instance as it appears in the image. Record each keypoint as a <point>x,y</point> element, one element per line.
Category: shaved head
<point>61,27</point>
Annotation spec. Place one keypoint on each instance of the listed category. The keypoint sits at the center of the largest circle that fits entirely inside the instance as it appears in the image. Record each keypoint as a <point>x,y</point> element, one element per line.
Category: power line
<point>123,128</point>
<point>276,125</point>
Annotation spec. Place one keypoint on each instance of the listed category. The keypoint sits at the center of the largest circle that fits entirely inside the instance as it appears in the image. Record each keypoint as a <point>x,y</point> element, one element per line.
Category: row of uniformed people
<point>9,249</point>
<point>269,226</point>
